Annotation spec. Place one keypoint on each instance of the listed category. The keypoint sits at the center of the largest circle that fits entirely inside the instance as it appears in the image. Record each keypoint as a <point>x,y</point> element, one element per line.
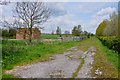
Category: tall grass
<point>18,53</point>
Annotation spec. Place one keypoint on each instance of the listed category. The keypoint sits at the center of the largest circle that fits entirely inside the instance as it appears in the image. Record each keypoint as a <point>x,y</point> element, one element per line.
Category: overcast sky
<point>66,15</point>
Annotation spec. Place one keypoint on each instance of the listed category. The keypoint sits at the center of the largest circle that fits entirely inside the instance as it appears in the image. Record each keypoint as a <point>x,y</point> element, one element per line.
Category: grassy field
<point>49,36</point>
<point>106,60</point>
<point>52,36</point>
<point>16,53</point>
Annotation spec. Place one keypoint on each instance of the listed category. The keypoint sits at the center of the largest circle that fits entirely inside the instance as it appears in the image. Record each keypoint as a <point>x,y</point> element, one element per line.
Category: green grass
<point>78,69</point>
<point>50,36</point>
<point>105,59</point>
<point>8,76</point>
<point>18,53</point>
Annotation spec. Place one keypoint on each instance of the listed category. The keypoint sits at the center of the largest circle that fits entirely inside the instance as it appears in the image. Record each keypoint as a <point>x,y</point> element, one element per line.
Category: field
<point>52,36</point>
<point>49,36</point>
<point>18,52</point>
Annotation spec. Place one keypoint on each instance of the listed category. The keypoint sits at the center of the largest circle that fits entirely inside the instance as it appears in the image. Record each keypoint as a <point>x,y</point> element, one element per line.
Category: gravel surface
<point>63,66</point>
<point>88,62</point>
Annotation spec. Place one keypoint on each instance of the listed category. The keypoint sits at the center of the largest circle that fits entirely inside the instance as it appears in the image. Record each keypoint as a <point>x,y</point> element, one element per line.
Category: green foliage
<point>88,35</point>
<point>18,53</point>
<point>8,33</point>
<point>77,30</point>
<point>78,69</point>
<point>12,32</point>
<point>118,34</point>
<point>66,33</point>
<point>100,29</point>
<point>112,27</point>
<point>104,59</point>
<point>58,31</point>
<point>5,33</point>
<point>49,36</point>
<point>109,27</point>
<point>112,43</point>
<point>8,76</point>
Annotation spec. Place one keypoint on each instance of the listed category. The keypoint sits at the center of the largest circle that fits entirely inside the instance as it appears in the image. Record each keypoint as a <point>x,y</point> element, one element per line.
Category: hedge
<point>112,43</point>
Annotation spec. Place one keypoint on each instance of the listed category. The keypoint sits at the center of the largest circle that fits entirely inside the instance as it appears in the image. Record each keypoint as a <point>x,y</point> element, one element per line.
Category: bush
<point>112,43</point>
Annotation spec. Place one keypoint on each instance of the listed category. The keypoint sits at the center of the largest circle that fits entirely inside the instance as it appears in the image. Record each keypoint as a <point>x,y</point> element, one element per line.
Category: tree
<point>77,30</point>
<point>5,33</point>
<point>118,34</point>
<point>109,27</point>
<point>66,33</point>
<point>113,24</point>
<point>74,30</point>
<point>101,27</point>
<point>58,31</point>
<point>52,32</point>
<point>32,15</point>
<point>85,32</point>
<point>12,33</point>
<point>4,2</point>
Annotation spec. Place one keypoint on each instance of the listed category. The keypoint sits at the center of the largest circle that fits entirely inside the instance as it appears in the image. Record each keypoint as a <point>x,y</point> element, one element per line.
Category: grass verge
<point>78,69</point>
<point>106,60</point>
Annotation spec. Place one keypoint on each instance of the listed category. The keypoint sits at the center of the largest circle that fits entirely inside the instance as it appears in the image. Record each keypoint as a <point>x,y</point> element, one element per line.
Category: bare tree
<point>4,2</point>
<point>33,14</point>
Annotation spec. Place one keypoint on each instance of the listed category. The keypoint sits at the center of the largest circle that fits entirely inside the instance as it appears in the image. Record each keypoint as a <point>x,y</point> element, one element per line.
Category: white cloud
<point>57,9</point>
<point>68,15</point>
<point>96,20</point>
<point>99,17</point>
<point>106,11</point>
<point>65,22</point>
<point>1,10</point>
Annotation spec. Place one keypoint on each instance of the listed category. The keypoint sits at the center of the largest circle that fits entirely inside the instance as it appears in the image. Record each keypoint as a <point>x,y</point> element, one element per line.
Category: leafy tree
<point>77,30</point>
<point>12,33</point>
<point>66,33</point>
<point>88,35</point>
<point>85,32</point>
<point>8,33</point>
<point>5,33</point>
<point>58,31</point>
<point>112,28</point>
<point>109,27</point>
<point>101,27</point>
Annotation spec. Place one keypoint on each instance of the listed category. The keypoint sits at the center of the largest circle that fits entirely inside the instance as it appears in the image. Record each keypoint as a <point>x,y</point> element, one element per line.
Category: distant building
<point>23,33</point>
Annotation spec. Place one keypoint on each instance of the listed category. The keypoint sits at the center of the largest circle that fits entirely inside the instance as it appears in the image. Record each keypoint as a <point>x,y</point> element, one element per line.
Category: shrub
<point>111,42</point>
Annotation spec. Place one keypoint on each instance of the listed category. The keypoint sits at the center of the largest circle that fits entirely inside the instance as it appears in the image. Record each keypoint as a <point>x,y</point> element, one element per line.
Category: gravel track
<point>62,66</point>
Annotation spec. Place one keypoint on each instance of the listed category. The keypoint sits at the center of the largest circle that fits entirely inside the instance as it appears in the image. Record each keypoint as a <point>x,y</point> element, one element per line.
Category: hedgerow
<point>112,43</point>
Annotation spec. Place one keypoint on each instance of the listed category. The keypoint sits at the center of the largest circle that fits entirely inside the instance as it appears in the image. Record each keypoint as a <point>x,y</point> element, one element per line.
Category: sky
<point>67,14</point>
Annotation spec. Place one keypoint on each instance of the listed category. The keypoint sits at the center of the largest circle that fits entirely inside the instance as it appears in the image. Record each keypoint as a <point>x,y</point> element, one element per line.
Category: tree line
<point>108,32</point>
<point>109,27</point>
<point>8,33</point>
<point>76,31</point>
